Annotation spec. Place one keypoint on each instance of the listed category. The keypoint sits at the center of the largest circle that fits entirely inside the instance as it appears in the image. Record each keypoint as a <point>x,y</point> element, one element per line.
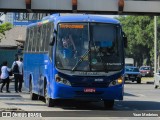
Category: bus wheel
<point>33,96</point>
<point>49,101</point>
<point>108,104</point>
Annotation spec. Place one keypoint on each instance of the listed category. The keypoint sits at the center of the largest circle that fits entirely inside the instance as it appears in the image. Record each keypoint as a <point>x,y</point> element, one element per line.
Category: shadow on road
<point>139,105</point>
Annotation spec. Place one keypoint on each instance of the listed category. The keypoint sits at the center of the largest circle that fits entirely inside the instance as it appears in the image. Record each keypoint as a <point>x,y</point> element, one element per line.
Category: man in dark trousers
<point>18,74</point>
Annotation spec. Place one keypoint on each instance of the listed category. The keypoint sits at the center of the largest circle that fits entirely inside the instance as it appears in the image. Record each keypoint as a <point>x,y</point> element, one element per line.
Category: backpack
<point>15,68</point>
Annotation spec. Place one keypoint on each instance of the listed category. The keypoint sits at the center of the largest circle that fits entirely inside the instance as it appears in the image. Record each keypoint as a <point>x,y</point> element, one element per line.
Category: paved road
<point>137,97</point>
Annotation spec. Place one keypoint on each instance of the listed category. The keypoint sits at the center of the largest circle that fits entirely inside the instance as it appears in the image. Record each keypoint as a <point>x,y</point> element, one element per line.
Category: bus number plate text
<point>89,90</point>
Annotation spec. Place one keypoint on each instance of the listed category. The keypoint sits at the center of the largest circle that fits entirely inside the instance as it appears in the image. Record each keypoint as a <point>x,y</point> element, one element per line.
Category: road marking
<point>140,95</point>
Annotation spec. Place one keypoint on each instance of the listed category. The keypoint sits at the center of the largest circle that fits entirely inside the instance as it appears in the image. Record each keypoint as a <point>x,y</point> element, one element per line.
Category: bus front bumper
<point>94,94</point>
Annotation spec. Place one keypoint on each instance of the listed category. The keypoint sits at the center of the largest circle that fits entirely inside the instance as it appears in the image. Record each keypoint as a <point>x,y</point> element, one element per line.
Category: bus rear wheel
<point>108,104</point>
<point>33,96</point>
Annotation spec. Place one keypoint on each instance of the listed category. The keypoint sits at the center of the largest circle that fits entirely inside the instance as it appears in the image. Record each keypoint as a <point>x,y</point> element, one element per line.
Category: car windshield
<point>89,47</point>
<point>131,69</point>
<point>145,68</point>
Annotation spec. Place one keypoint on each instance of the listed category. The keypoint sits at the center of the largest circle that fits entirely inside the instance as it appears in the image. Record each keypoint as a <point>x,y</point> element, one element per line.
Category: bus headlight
<point>116,82</point>
<point>62,80</point>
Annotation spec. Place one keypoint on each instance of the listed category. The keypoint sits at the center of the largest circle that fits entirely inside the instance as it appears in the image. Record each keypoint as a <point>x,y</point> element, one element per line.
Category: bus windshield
<point>89,47</point>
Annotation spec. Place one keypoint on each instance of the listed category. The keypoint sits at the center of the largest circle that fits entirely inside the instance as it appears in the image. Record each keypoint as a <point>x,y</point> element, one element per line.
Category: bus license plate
<point>132,76</point>
<point>89,90</point>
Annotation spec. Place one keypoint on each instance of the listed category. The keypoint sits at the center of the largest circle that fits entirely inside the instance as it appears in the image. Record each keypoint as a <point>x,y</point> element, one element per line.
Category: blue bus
<point>78,57</point>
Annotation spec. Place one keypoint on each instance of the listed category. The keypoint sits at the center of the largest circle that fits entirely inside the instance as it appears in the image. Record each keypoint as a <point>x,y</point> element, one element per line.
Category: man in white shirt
<point>18,76</point>
<point>20,64</point>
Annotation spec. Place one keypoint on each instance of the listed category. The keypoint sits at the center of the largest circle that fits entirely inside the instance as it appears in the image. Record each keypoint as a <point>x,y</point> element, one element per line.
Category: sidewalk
<point>148,80</point>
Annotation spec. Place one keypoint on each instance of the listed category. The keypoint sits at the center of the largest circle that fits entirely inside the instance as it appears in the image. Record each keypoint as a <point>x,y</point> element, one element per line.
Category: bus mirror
<point>125,41</point>
<point>52,42</point>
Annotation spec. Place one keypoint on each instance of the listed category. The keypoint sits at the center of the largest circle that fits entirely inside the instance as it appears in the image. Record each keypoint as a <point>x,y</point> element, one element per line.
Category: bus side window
<point>48,28</point>
<point>34,39</point>
<point>51,39</point>
<point>30,39</point>
<point>26,42</point>
<point>43,38</point>
<point>38,38</point>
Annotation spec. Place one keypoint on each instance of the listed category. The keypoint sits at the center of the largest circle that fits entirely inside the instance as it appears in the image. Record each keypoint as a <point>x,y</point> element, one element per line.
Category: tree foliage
<point>4,27</point>
<point>140,34</point>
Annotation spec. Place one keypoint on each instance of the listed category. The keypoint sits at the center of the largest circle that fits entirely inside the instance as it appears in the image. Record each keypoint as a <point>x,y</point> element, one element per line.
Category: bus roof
<point>77,18</point>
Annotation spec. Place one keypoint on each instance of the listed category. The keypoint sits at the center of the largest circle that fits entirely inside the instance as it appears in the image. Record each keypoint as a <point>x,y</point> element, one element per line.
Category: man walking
<point>17,69</point>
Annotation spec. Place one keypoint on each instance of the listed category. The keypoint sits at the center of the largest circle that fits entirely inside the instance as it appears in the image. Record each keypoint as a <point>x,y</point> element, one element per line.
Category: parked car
<point>132,74</point>
<point>146,71</point>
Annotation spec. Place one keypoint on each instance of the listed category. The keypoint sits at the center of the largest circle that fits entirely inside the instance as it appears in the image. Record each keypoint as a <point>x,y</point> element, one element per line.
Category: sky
<point>111,16</point>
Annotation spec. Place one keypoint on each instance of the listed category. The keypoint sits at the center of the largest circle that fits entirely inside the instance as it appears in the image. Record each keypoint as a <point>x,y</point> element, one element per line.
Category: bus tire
<point>33,96</point>
<point>108,104</point>
<point>50,102</point>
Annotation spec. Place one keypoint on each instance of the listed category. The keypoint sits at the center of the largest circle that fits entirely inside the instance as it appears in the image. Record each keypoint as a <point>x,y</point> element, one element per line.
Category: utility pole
<point>155,44</point>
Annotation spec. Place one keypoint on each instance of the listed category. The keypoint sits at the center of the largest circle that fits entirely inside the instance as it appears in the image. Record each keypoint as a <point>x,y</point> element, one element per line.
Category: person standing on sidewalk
<point>20,64</point>
<point>5,76</point>
<point>17,68</point>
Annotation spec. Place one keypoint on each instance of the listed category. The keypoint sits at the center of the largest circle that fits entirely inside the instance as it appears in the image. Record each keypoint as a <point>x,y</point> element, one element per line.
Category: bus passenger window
<point>48,34</point>
<point>38,38</point>
<point>34,39</point>
<point>43,38</point>
<point>30,39</point>
<point>26,42</point>
<point>51,39</point>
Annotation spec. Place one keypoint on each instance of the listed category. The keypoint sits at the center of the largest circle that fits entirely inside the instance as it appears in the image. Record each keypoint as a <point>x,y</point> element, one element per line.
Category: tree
<point>4,27</point>
<point>140,33</point>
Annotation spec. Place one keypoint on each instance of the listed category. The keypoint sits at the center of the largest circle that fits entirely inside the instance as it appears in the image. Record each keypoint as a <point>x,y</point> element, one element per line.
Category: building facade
<point>23,19</point>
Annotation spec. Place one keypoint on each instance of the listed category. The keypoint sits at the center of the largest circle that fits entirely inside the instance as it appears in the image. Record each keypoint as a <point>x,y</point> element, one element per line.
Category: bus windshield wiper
<point>81,59</point>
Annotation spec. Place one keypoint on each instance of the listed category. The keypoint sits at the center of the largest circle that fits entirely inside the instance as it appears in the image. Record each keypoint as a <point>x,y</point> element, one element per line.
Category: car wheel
<point>139,80</point>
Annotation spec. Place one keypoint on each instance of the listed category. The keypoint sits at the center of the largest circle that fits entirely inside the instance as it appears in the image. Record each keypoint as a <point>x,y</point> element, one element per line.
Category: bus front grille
<point>94,84</point>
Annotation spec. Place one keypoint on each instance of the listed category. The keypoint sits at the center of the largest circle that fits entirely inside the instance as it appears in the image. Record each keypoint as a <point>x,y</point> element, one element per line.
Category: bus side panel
<point>34,67</point>
<point>26,71</point>
<point>46,72</point>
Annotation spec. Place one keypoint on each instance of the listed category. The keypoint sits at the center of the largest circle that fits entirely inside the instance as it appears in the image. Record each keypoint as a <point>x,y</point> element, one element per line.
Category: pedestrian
<point>17,68</point>
<point>20,64</point>
<point>5,76</point>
